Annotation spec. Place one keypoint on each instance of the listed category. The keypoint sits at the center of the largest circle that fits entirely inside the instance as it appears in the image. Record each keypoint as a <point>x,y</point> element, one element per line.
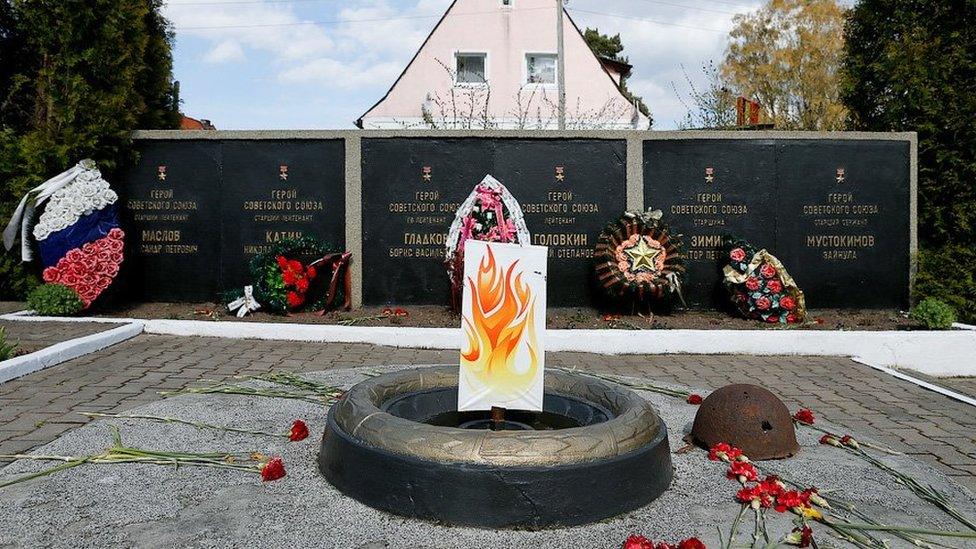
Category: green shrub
<point>6,349</point>
<point>948,274</point>
<point>934,314</point>
<point>16,278</point>
<point>54,300</point>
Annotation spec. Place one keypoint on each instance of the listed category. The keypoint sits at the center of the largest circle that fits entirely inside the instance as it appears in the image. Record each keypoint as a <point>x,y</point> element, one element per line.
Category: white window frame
<point>525,70</point>
<point>484,54</point>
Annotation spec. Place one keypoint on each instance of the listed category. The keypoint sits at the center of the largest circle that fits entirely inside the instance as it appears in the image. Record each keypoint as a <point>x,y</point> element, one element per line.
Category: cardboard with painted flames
<point>503,322</point>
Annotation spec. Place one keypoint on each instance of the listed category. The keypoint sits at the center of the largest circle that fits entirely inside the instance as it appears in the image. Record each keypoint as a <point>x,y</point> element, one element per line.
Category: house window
<point>507,3</point>
<point>540,68</point>
<point>470,68</point>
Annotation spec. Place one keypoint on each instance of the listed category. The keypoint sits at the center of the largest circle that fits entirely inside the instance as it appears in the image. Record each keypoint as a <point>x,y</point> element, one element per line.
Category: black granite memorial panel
<point>411,189</point>
<point>708,188</point>
<point>568,189</point>
<point>277,189</point>
<point>843,220</point>
<point>171,215</point>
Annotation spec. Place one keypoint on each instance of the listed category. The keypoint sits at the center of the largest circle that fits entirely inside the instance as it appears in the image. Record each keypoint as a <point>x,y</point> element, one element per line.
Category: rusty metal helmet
<point>749,417</point>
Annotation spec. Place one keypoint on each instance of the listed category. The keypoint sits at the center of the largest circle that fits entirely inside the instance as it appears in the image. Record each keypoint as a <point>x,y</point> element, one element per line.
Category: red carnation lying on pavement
<point>273,470</point>
<point>804,416</point>
<point>742,471</point>
<point>299,431</point>
<point>694,398</point>
<point>724,452</point>
<point>801,537</point>
<point>640,542</point>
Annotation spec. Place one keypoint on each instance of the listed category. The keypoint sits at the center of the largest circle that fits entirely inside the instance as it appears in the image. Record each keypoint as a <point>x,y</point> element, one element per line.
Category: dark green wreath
<point>657,287</point>
<point>265,274</point>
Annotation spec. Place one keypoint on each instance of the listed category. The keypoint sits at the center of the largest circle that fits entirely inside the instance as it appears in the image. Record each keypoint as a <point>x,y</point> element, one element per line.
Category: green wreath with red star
<point>639,261</point>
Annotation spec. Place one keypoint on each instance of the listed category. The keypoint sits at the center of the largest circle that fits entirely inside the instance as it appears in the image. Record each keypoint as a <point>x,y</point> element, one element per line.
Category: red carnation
<point>737,255</point>
<point>295,265</point>
<point>294,300</point>
<point>724,452</point>
<point>791,318</point>
<point>763,303</point>
<point>302,285</point>
<point>288,278</point>
<point>801,537</point>
<point>787,303</point>
<point>299,431</point>
<point>695,399</point>
<point>752,284</point>
<point>310,272</point>
<point>774,286</point>
<point>638,542</point>
<point>772,486</point>
<point>804,416</point>
<point>664,545</point>
<point>742,471</point>
<point>755,495</point>
<point>282,262</point>
<point>691,543</point>
<point>789,500</point>
<point>273,470</point>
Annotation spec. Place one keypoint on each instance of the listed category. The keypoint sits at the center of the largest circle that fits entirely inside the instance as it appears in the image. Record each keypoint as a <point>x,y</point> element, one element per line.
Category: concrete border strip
<point>924,384</point>
<point>935,353</point>
<point>66,350</point>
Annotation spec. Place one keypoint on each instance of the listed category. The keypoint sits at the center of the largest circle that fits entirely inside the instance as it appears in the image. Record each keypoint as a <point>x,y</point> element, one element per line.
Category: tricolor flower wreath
<point>490,213</point>
<point>283,277</point>
<point>639,261</point>
<point>759,286</point>
<point>77,234</point>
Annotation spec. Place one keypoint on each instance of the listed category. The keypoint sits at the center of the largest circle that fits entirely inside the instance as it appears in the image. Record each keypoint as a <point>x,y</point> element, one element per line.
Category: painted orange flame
<point>501,324</point>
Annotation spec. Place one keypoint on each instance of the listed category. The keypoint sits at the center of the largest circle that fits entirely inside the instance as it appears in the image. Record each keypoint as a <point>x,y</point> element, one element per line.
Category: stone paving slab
<point>11,307</point>
<point>32,336</point>
<point>94,506</point>
<point>37,408</point>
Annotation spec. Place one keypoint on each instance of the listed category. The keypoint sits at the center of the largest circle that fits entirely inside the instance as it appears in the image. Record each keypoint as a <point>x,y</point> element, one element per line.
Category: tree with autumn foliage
<point>787,56</point>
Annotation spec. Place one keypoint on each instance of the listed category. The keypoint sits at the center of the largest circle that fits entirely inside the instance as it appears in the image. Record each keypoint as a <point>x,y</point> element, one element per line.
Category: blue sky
<point>289,64</point>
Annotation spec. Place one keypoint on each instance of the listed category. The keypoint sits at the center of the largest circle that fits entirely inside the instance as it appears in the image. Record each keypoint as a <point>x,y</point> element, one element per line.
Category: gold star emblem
<point>642,255</point>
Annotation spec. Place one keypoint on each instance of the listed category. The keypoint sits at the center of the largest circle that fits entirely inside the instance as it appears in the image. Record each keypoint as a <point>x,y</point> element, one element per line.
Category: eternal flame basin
<point>397,443</point>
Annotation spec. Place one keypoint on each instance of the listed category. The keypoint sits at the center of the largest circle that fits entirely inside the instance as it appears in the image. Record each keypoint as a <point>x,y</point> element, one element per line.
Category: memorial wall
<point>568,190</point>
<point>198,211</point>
<point>836,211</point>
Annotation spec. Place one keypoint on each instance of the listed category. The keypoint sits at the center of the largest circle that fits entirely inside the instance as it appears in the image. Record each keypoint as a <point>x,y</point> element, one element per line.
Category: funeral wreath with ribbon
<point>639,261</point>
<point>295,274</point>
<point>490,213</point>
<point>77,234</point>
<point>759,286</point>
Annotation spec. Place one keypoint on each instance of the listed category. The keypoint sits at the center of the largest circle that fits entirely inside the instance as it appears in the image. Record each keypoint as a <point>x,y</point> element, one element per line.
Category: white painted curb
<point>936,353</point>
<point>66,350</point>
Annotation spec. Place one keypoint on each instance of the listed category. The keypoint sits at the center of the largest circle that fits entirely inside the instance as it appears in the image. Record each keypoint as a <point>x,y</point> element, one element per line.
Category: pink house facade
<point>491,64</point>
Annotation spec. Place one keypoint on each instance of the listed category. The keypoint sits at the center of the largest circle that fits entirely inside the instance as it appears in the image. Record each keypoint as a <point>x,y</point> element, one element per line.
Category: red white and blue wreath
<point>77,234</point>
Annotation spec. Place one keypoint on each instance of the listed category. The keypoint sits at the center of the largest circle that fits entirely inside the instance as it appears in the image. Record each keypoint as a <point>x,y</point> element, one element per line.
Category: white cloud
<point>355,75</point>
<point>225,52</point>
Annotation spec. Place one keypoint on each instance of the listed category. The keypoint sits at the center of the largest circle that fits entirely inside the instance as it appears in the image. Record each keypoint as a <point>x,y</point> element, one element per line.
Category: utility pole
<point>560,65</point>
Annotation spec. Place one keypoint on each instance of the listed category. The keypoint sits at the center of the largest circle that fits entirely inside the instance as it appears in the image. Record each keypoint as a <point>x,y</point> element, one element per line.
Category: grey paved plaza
<point>37,408</point>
